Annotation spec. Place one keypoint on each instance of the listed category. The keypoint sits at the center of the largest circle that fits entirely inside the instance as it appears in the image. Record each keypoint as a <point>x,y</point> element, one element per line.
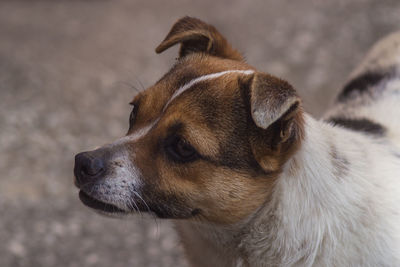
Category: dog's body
<point>250,178</point>
<point>337,205</point>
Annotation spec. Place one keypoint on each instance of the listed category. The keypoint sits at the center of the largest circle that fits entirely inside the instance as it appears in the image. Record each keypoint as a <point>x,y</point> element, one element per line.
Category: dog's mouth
<point>97,204</point>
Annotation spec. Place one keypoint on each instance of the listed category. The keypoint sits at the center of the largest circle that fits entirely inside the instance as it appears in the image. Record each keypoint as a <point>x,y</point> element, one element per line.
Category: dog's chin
<point>100,207</point>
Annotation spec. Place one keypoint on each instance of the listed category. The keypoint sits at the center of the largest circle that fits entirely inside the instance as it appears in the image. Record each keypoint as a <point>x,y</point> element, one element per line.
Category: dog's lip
<point>96,204</point>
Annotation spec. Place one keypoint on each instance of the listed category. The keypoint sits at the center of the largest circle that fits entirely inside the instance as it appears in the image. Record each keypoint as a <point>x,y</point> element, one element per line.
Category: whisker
<point>138,80</point>
<point>137,194</point>
<point>141,84</point>
<point>132,201</point>
<point>149,211</point>
<point>137,208</point>
<point>124,83</point>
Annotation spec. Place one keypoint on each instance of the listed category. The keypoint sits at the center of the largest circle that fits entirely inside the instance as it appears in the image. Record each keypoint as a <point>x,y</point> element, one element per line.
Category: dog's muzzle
<point>90,170</point>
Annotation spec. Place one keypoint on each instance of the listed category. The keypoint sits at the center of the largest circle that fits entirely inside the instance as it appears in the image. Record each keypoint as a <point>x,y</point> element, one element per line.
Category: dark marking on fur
<point>361,124</point>
<point>362,82</point>
<point>163,204</point>
<point>339,162</point>
<point>196,212</point>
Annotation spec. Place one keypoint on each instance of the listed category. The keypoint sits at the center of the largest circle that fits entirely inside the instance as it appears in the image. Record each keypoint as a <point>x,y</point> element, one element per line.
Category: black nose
<point>89,166</point>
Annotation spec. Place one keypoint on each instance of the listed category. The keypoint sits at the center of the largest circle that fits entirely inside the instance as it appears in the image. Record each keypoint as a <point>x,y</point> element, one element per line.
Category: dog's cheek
<point>229,196</point>
<point>211,193</point>
<point>168,205</point>
<point>199,190</point>
<point>165,189</point>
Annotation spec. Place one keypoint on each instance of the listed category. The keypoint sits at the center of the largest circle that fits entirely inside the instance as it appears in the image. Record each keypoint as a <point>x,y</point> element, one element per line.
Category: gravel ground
<point>68,70</point>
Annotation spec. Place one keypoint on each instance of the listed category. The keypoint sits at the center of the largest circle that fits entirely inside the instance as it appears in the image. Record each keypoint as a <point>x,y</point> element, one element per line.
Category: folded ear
<point>276,112</point>
<point>273,102</point>
<point>194,36</point>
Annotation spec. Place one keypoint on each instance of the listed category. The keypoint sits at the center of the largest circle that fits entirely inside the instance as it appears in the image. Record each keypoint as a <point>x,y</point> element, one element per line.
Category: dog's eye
<point>132,116</point>
<point>180,150</point>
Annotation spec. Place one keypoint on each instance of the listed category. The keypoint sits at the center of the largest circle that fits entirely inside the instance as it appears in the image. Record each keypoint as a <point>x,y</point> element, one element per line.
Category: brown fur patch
<point>197,36</point>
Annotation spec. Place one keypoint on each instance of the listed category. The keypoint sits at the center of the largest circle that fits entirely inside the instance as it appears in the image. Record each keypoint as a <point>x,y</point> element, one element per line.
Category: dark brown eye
<point>180,150</point>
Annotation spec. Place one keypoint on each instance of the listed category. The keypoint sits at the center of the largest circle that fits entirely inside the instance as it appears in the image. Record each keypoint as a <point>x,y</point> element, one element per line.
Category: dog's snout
<point>88,167</point>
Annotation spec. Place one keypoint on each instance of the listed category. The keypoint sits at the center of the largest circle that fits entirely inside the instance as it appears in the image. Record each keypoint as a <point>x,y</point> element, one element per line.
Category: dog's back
<point>370,101</point>
<point>368,151</point>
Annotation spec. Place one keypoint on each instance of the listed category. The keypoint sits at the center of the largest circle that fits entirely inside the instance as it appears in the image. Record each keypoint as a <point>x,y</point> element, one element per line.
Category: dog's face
<point>207,141</point>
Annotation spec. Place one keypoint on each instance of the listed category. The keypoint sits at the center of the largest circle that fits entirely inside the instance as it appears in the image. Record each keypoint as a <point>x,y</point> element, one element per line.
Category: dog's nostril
<point>93,167</point>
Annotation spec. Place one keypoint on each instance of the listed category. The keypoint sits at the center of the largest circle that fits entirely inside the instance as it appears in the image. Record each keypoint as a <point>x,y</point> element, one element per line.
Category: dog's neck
<point>321,194</point>
<point>310,197</point>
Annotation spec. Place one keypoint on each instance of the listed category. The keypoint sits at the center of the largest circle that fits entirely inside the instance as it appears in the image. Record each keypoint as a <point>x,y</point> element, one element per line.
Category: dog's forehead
<point>186,74</point>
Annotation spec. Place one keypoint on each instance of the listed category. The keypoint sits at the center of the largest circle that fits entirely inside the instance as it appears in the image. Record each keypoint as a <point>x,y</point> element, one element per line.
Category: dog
<point>247,176</point>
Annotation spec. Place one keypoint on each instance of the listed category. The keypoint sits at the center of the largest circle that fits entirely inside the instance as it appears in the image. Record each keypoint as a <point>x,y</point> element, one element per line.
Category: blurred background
<point>67,72</point>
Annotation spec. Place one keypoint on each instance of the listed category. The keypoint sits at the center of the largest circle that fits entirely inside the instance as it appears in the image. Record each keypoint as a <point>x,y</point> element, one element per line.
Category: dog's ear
<point>195,35</point>
<point>272,99</point>
<point>276,112</point>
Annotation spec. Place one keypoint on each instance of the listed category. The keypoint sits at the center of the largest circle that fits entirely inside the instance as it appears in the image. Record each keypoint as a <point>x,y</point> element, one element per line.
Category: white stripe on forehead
<point>146,129</point>
<point>135,136</point>
<point>204,78</point>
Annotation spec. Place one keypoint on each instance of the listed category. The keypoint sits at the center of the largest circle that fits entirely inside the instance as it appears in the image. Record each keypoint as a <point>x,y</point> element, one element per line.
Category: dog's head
<point>207,141</point>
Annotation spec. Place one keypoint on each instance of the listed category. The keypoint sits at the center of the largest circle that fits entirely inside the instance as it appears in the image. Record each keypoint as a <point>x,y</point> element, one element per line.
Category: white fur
<point>118,186</point>
<point>337,202</point>
<point>325,220</point>
<point>316,217</point>
<point>125,178</point>
<point>204,78</point>
<point>381,101</point>
<point>134,137</point>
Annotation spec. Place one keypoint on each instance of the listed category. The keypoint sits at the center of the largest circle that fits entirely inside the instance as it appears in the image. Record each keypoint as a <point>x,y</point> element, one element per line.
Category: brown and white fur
<point>248,177</point>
